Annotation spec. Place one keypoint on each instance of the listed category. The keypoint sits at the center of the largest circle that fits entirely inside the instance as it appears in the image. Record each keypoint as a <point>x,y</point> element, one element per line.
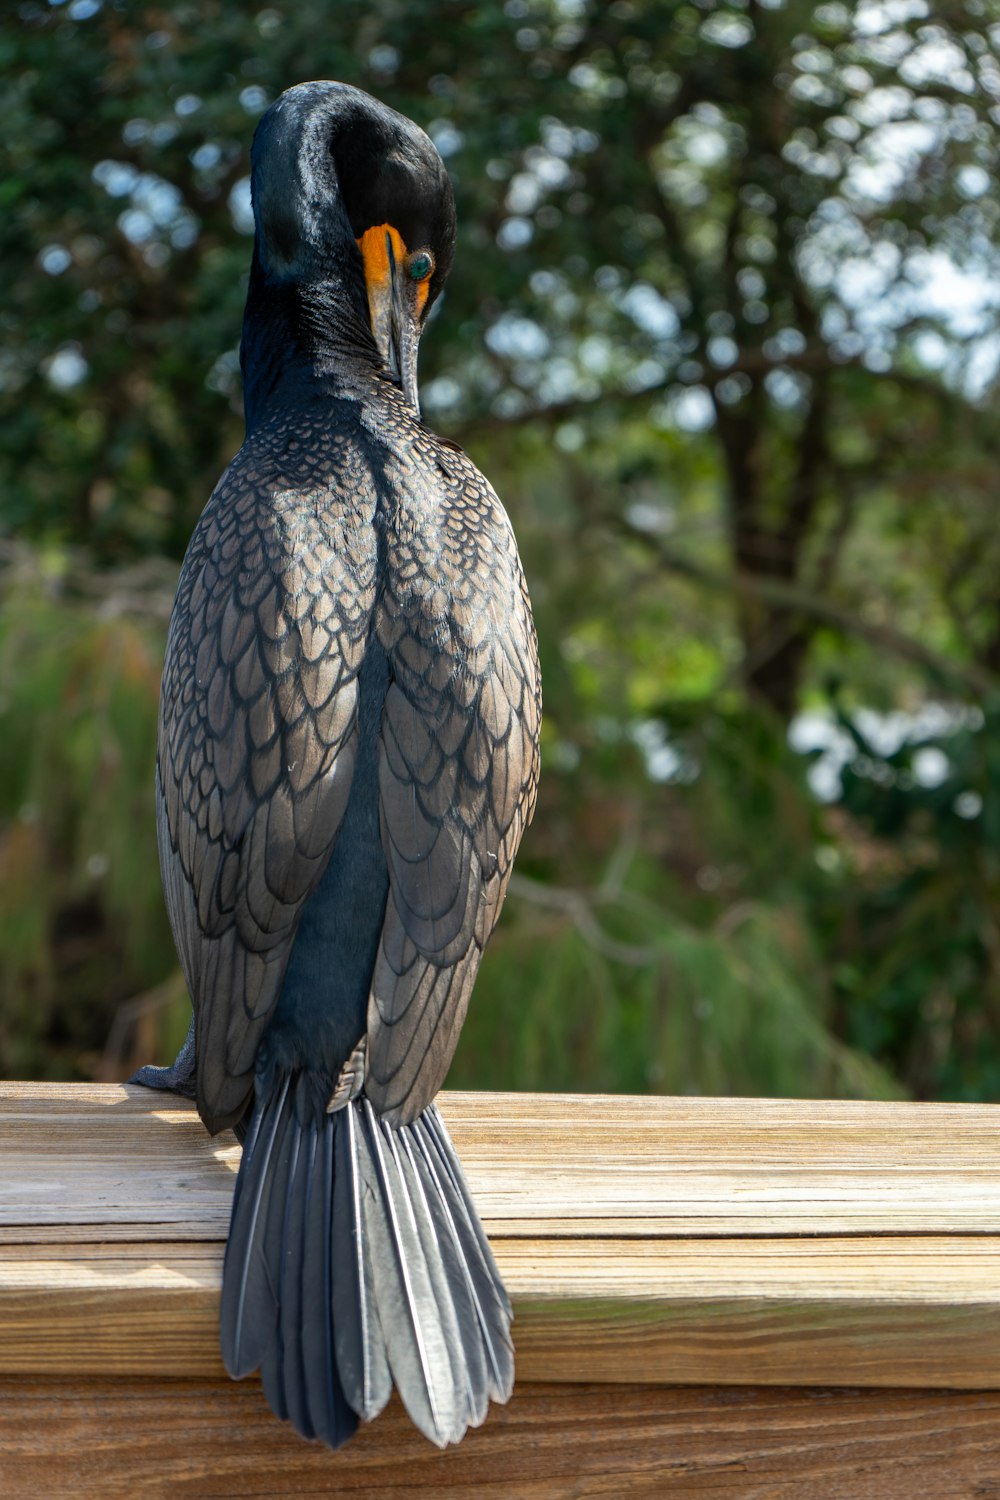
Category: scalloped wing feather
<point>257,734</point>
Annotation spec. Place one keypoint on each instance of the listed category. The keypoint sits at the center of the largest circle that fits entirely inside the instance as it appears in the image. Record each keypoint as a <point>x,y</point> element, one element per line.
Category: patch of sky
<point>524,193</point>
<point>570,437</point>
<point>544,282</point>
<point>596,354</point>
<point>873,17</point>
<point>253,99</point>
<point>159,199</point>
<point>384,59</point>
<point>513,337</point>
<point>722,351</point>
<point>651,516</point>
<point>644,376</point>
<point>547,167</point>
<point>705,147</point>
<point>787,388</point>
<point>691,410</point>
<point>664,761</point>
<point>727,30</point>
<point>206,158</point>
<point>817,732</point>
<point>882,288</point>
<point>66,368</point>
<point>515,233</point>
<point>650,311</point>
<point>441,394</point>
<point>115,177</point>
<point>446,136</point>
<point>240,206</point>
<point>136,225</point>
<point>887,160</point>
<point>968,804</point>
<point>54,259</point>
<point>557,138</point>
<point>937,60</point>
<point>558,380</point>
<point>224,375</point>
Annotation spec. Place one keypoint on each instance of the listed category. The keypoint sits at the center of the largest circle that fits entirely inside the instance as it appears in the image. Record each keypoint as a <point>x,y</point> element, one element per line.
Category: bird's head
<point>346,189</point>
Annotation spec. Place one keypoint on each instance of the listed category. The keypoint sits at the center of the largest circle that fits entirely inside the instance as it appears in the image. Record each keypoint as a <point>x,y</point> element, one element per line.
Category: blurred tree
<point>717,330</point>
<point>720,215</point>
<point>82,925</point>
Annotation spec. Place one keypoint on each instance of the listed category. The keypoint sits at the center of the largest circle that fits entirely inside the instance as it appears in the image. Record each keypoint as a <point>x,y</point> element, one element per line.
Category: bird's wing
<point>458,775</point>
<point>256,748</point>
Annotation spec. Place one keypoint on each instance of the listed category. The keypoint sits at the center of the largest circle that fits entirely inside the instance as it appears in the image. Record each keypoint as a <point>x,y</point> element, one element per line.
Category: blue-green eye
<point>420,265</point>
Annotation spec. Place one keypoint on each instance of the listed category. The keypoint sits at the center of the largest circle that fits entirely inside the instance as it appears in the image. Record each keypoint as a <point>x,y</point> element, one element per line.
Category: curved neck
<point>304,339</point>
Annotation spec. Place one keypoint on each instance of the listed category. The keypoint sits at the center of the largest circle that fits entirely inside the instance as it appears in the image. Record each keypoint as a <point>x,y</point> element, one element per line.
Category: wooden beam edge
<point>163,1321</point>
<point>919,1310</point>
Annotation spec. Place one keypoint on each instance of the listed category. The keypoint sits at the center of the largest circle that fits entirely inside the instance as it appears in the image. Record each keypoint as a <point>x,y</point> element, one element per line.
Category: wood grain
<point>845,1244</point>
<point>879,1313</point>
<point>77,1156</point>
<point>173,1440</point>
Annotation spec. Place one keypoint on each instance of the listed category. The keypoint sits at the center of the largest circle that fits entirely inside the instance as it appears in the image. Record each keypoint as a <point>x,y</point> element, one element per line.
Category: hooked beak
<point>393,319</point>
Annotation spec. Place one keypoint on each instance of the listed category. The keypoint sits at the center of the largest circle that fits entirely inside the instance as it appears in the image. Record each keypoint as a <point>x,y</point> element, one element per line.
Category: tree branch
<point>789,596</point>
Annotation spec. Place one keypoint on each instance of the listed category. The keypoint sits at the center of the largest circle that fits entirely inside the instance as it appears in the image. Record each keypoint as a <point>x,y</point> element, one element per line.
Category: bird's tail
<point>356,1261</point>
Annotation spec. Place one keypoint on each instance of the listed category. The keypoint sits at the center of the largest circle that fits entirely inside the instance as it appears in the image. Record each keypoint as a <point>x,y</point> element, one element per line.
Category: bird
<point>347,758</point>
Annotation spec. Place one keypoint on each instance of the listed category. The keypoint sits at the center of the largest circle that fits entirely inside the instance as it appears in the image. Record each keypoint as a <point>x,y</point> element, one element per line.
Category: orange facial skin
<point>374,246</point>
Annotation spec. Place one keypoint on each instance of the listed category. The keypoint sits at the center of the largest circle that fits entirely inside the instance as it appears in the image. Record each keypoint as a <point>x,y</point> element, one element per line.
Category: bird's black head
<point>348,193</point>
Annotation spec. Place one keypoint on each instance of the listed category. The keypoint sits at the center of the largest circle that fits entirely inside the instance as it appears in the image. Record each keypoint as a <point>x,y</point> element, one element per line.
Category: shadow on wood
<point>719,1245</point>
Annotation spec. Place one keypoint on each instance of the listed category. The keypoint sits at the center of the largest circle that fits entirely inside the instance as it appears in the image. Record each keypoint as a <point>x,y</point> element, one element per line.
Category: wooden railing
<point>728,1298</point>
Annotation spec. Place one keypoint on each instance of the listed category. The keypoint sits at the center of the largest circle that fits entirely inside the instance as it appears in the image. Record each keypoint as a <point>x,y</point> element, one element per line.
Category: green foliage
<point>83,926</point>
<point>731,1009</point>
<point>703,335</point>
<point>922,989</point>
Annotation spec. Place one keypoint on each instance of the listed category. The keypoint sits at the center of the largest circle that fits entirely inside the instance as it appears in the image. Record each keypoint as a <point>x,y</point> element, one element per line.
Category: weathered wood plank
<point>846,1244</point>
<point>75,1157</point>
<point>173,1440</point>
<point>873,1313</point>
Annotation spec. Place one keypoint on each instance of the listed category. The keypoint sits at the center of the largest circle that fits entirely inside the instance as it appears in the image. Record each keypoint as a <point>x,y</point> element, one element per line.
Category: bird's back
<point>348,748</point>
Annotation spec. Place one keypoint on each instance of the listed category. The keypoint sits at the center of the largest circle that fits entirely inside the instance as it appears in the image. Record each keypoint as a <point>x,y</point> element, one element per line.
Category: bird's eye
<point>420,265</point>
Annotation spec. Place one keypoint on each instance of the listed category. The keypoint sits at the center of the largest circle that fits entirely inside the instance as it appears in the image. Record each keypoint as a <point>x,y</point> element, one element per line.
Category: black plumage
<point>347,759</point>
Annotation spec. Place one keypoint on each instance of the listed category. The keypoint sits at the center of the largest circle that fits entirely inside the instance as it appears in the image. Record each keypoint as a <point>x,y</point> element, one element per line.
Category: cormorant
<point>347,758</point>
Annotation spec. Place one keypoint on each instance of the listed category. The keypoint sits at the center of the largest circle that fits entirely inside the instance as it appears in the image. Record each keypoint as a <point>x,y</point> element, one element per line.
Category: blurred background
<point>723,331</point>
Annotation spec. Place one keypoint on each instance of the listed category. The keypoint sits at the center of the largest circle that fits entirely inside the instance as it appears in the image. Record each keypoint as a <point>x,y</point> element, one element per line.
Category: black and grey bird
<point>347,759</point>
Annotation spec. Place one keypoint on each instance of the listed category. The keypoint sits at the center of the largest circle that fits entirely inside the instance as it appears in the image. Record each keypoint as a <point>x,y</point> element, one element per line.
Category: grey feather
<point>452,1284</point>
<point>482,1360</point>
<point>331,1416</point>
<point>441,1308</point>
<point>248,1312</point>
<point>276,1291</point>
<point>361,1356</point>
<point>474,1235</point>
<point>415,1348</point>
<point>281,1370</point>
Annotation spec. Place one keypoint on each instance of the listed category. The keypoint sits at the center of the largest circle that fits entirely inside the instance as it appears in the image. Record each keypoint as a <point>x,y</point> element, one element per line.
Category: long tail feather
<point>487,1331</point>
<point>361,1356</point>
<point>448,1156</point>
<point>408,1317</point>
<point>332,1417</point>
<point>451,1292</point>
<point>283,1364</point>
<point>249,1308</point>
<point>356,1260</point>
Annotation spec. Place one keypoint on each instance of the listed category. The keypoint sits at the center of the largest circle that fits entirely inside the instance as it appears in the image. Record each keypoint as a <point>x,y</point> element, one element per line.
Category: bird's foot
<point>179,1078</point>
<point>351,1079</point>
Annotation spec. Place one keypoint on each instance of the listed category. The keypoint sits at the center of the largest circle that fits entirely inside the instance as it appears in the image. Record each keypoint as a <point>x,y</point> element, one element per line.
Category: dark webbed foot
<point>179,1077</point>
